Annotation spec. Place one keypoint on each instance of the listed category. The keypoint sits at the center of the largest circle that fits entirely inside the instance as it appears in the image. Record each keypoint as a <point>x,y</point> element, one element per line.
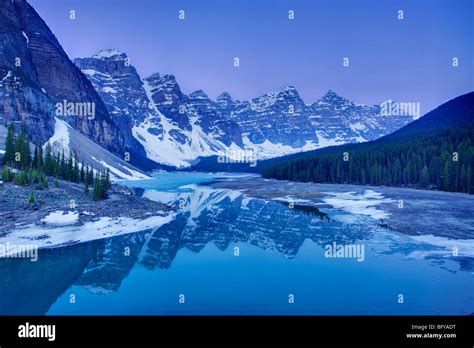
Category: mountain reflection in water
<point>205,215</point>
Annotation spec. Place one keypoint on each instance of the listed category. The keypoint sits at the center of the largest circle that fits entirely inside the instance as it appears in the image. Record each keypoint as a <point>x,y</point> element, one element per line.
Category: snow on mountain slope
<point>60,141</point>
<point>344,121</point>
<point>174,139</point>
<point>166,148</point>
<point>268,149</point>
<point>176,129</point>
<point>3,138</point>
<point>121,89</point>
<point>277,117</point>
<point>66,139</point>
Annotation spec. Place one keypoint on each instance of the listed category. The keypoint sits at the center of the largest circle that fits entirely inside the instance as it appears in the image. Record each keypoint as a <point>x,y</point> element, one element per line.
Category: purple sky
<point>408,60</point>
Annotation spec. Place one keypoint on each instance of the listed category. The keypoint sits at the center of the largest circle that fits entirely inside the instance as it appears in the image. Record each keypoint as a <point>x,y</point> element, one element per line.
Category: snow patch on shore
<point>60,218</point>
<point>105,227</point>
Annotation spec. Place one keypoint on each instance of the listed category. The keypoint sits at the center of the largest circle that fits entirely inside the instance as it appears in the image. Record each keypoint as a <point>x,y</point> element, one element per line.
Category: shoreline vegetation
<point>43,189</point>
<point>23,169</point>
<point>443,162</point>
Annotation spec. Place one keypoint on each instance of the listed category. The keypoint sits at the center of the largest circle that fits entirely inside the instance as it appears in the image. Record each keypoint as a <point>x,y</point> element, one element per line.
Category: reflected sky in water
<point>228,253</point>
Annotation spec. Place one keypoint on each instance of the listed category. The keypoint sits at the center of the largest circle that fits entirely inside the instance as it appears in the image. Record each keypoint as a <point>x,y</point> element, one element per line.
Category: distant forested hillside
<point>434,152</point>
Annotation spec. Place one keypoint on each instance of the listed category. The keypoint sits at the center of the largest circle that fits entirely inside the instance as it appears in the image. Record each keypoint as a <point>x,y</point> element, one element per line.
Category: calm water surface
<point>228,253</point>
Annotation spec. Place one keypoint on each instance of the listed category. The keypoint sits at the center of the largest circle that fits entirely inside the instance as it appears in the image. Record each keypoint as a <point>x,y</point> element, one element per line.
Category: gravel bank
<point>16,212</point>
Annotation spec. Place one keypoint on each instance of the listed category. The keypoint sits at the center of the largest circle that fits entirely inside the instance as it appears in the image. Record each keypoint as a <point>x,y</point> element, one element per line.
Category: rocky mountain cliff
<point>37,74</point>
<point>39,84</point>
<point>22,99</point>
<point>175,128</point>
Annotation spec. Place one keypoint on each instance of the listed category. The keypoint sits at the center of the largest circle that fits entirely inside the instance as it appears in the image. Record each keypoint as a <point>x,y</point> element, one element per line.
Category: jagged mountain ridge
<point>176,129</point>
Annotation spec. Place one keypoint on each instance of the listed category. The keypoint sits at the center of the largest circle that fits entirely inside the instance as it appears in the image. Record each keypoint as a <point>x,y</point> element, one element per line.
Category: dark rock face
<point>283,117</point>
<point>22,103</point>
<point>165,94</point>
<point>119,81</point>
<point>21,99</point>
<point>212,121</point>
<point>226,103</point>
<point>121,89</point>
<point>180,109</point>
<point>45,74</point>
<point>174,127</point>
<point>279,117</point>
<point>339,118</point>
<point>169,99</point>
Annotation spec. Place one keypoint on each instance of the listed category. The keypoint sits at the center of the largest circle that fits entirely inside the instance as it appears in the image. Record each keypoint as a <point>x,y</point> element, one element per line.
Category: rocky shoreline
<point>122,202</point>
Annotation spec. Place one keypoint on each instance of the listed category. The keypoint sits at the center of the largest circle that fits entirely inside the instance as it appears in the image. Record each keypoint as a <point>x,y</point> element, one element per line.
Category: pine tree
<point>424,177</point>
<point>69,169</point>
<point>96,194</point>
<point>108,182</point>
<point>35,157</point>
<point>9,156</point>
<point>470,181</point>
<point>22,178</point>
<point>62,166</point>
<point>82,175</point>
<point>90,176</point>
<point>446,177</point>
<point>44,182</point>
<point>463,179</point>
<point>40,158</point>
<point>6,175</point>
<point>48,161</point>
<point>23,148</point>
<point>32,198</point>
<point>103,185</point>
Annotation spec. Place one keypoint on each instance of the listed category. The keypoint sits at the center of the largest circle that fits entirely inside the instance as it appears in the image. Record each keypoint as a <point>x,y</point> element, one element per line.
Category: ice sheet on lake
<point>450,247</point>
<point>291,199</point>
<point>367,204</point>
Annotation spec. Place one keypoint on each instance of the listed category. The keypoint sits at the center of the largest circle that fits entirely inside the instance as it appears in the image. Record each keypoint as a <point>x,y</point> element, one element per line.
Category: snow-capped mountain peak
<point>224,97</point>
<point>109,53</point>
<point>290,91</point>
<point>175,128</point>
<point>199,94</point>
<point>162,79</point>
<point>331,98</point>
